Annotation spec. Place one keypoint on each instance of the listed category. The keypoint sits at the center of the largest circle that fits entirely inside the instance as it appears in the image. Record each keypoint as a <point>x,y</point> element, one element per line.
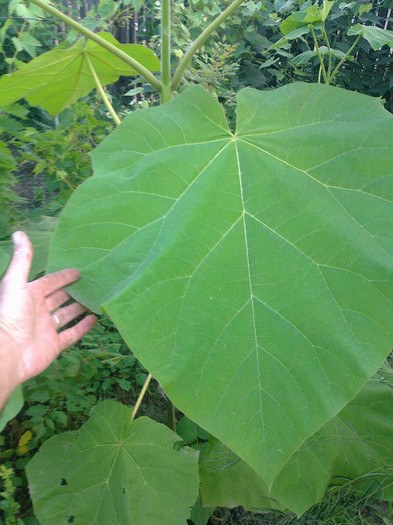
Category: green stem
<point>101,90</point>
<point>148,76</point>
<point>200,41</point>
<point>171,416</point>
<point>345,57</point>
<point>330,54</point>
<point>166,87</point>
<point>319,56</point>
<point>140,397</point>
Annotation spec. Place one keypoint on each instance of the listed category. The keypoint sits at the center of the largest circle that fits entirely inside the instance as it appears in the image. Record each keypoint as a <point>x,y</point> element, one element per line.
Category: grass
<point>339,507</point>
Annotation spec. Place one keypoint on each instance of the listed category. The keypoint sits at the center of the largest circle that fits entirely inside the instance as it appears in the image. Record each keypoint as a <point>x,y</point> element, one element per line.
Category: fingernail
<point>17,238</point>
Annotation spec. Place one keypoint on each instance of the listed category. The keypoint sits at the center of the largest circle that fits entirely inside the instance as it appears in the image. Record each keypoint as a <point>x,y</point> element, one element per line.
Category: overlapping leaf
<point>113,472</point>
<point>251,273</point>
<point>355,449</point>
<point>40,233</point>
<point>56,79</point>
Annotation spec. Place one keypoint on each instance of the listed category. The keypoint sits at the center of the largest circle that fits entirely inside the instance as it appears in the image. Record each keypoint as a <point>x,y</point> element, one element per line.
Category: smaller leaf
<point>375,36</point>
<point>296,33</point>
<point>30,44</point>
<point>313,15</point>
<point>22,449</point>
<point>43,82</point>
<point>114,472</point>
<point>305,57</point>
<point>13,406</point>
<point>134,91</point>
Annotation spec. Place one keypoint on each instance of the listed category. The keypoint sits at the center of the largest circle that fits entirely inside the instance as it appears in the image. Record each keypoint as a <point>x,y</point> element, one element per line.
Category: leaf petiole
<point>101,90</point>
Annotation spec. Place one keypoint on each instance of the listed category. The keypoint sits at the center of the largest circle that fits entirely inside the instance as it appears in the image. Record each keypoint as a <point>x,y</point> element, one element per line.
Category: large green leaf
<point>56,79</point>
<point>114,472</point>
<point>355,448</point>
<point>251,273</point>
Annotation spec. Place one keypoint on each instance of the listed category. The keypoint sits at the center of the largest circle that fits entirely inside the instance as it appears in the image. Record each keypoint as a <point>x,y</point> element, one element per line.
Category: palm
<point>25,314</point>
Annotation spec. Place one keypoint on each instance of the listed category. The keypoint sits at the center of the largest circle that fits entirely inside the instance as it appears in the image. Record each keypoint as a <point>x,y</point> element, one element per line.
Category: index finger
<point>54,281</point>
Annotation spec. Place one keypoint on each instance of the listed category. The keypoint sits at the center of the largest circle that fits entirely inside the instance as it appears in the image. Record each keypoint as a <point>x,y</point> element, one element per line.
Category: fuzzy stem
<point>140,397</point>
<point>148,76</point>
<point>200,41</point>
<point>330,55</point>
<point>319,56</point>
<point>166,88</point>
<point>345,57</point>
<point>101,90</point>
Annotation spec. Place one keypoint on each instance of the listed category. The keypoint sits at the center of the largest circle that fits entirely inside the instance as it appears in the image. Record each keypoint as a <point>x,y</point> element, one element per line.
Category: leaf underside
<point>251,273</point>
<point>56,79</point>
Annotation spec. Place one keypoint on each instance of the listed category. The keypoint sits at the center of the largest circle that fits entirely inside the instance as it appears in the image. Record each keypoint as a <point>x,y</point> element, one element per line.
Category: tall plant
<point>250,272</point>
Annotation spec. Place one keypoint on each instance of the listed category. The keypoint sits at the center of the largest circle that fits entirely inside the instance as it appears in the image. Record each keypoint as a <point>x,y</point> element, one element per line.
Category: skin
<point>29,336</point>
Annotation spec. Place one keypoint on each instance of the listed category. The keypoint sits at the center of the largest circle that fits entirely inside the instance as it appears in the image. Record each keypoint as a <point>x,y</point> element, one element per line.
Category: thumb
<point>19,267</point>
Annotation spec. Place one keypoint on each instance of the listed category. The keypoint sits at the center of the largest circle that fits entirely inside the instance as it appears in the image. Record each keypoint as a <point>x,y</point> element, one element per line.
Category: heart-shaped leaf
<point>56,79</point>
<point>111,471</point>
<point>251,273</point>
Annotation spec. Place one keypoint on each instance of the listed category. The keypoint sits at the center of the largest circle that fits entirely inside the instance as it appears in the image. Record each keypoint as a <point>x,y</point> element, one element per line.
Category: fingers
<point>19,267</point>
<point>54,281</point>
<point>56,299</point>
<point>68,313</point>
<point>72,335</point>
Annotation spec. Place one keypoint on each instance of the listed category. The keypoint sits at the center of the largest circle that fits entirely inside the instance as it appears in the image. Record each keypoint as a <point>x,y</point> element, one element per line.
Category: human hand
<point>29,337</point>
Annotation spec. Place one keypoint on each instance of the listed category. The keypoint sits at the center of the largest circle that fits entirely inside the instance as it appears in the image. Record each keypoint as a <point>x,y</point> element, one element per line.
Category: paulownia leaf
<point>112,472</point>
<point>56,79</point>
<point>375,36</point>
<point>355,445</point>
<point>313,15</point>
<point>251,273</point>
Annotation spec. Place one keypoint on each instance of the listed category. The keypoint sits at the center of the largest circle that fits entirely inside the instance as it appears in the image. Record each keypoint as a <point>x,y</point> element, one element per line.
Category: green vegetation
<point>241,243</point>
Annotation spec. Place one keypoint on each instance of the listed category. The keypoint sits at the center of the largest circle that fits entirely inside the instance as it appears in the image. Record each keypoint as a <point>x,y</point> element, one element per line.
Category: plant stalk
<point>171,415</point>
<point>319,56</point>
<point>330,55</point>
<point>140,397</point>
<point>166,84</point>
<point>101,90</point>
<point>148,76</point>
<point>345,57</point>
<point>200,41</point>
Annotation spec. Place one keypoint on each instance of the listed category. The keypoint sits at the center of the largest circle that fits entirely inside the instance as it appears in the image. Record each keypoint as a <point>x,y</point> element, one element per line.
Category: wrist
<point>8,367</point>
